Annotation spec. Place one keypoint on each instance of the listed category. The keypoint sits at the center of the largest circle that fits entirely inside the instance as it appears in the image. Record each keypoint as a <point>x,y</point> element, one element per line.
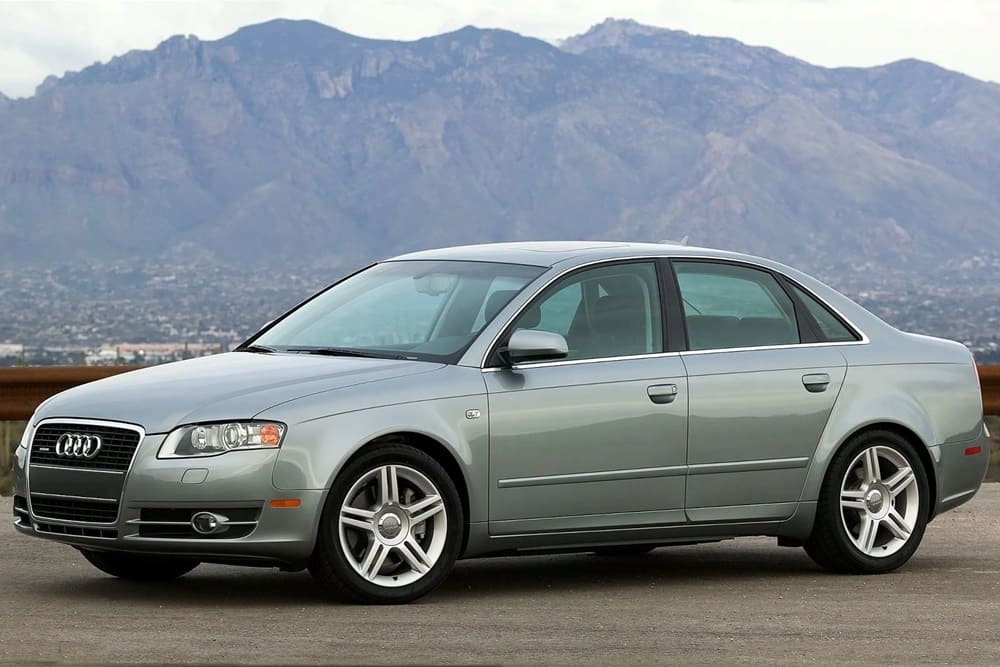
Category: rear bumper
<point>960,468</point>
<point>236,481</point>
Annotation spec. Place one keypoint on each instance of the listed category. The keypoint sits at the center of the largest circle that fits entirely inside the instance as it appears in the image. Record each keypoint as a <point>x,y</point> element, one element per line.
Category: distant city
<point>143,313</point>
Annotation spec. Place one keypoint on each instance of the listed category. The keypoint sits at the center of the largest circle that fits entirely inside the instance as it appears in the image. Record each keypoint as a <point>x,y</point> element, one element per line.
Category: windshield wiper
<point>258,348</point>
<point>345,352</point>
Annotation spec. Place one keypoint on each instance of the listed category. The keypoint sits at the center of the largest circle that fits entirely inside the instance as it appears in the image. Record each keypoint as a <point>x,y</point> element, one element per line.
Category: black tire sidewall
<point>354,585</point>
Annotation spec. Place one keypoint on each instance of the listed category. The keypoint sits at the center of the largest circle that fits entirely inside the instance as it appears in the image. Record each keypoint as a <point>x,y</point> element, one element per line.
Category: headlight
<point>214,439</point>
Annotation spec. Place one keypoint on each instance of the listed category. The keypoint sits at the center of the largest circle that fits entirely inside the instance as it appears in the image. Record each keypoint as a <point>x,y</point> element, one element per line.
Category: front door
<point>597,440</point>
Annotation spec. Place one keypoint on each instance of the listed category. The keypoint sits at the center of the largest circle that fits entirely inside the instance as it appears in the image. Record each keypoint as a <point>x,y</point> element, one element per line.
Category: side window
<point>557,312</point>
<point>729,306</point>
<point>498,294</point>
<point>830,326</point>
<point>609,311</point>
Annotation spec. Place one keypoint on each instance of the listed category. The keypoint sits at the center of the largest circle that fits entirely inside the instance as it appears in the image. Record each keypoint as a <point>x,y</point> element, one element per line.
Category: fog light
<point>207,523</point>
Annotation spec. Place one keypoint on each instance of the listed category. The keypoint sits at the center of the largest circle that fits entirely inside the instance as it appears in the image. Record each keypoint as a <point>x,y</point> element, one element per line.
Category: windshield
<point>429,310</point>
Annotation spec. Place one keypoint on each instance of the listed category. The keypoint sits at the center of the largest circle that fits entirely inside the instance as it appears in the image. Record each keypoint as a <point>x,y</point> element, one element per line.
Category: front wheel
<point>391,528</point>
<point>139,567</point>
<point>873,506</point>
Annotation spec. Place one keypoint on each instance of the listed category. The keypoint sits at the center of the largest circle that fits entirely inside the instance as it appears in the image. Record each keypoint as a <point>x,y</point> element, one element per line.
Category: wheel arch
<point>908,434</point>
<point>923,451</point>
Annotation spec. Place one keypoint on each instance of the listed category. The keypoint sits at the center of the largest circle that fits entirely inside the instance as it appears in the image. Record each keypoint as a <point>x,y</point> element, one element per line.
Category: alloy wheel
<point>393,525</point>
<point>879,501</point>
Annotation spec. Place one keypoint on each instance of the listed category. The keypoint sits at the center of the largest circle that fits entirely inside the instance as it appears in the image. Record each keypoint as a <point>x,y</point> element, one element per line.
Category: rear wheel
<point>873,506</point>
<point>139,567</point>
<point>391,528</point>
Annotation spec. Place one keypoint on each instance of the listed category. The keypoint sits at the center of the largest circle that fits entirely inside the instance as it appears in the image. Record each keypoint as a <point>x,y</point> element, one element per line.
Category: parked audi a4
<point>517,398</point>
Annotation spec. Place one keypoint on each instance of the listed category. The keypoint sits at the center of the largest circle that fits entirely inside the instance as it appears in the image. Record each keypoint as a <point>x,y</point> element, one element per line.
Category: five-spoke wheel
<point>873,506</point>
<point>393,525</point>
<point>391,528</point>
<point>879,501</point>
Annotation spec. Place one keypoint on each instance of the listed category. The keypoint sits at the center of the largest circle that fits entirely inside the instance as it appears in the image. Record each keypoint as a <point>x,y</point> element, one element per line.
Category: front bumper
<point>236,482</point>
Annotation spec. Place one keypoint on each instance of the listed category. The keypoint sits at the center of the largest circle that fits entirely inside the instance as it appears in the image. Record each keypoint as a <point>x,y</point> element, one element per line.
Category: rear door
<point>761,385</point>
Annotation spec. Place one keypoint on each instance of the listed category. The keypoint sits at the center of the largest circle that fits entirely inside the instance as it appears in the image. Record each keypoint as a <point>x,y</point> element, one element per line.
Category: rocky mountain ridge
<point>291,140</point>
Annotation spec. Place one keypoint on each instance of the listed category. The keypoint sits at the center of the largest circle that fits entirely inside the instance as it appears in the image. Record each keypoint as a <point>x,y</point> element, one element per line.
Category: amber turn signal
<point>282,503</point>
<point>270,435</point>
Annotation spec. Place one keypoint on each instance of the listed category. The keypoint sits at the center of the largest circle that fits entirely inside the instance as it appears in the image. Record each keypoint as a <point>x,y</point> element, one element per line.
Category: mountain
<point>291,140</point>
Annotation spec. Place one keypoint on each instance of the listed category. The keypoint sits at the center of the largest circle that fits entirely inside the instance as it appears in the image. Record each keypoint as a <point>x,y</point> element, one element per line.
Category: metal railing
<point>23,388</point>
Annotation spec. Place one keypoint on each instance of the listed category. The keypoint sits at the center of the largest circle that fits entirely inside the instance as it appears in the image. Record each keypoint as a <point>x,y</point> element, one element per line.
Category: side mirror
<point>532,345</point>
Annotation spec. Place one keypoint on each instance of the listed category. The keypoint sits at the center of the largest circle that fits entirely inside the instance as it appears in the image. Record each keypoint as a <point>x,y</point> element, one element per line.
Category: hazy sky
<point>42,38</point>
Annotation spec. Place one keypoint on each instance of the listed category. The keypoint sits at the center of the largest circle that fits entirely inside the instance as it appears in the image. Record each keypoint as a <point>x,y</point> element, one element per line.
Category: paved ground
<point>740,601</point>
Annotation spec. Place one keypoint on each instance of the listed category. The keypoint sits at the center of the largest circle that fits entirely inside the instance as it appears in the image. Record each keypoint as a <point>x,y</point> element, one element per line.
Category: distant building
<point>11,349</point>
<point>145,354</point>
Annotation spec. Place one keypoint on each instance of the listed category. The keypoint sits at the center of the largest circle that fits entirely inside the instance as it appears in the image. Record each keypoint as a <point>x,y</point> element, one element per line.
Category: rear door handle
<point>816,382</point>
<point>662,393</point>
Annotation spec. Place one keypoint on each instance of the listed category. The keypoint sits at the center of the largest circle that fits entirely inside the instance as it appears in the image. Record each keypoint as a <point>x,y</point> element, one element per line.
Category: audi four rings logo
<point>78,445</point>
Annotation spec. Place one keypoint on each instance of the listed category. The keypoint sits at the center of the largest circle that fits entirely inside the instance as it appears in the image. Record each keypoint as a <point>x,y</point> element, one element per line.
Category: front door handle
<point>816,382</point>
<point>662,393</point>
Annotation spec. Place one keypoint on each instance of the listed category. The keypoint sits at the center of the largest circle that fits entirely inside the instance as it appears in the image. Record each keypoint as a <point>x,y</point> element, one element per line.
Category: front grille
<point>72,509</point>
<point>117,447</point>
<point>79,531</point>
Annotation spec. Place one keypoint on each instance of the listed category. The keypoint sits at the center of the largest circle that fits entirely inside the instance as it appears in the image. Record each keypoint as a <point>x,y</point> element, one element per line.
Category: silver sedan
<point>517,398</point>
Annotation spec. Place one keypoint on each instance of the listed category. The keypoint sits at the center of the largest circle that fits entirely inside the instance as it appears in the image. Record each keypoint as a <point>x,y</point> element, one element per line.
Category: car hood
<point>236,385</point>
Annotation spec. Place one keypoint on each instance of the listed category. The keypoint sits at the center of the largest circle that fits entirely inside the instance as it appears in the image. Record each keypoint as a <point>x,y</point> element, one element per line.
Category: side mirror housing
<point>531,345</point>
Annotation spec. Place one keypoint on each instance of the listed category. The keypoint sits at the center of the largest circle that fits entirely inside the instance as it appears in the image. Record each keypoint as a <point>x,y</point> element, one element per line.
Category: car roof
<point>550,253</point>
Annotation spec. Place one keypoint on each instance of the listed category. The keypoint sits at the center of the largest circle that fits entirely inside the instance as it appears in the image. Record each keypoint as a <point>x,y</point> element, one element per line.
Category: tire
<point>404,535</point>
<point>871,513</point>
<point>139,567</point>
<point>625,550</point>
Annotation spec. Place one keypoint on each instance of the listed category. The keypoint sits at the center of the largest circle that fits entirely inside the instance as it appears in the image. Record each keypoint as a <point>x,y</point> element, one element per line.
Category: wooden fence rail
<point>23,388</point>
<point>989,380</point>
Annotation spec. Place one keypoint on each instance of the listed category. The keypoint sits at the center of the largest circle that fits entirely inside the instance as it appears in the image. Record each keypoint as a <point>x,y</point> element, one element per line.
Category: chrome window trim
<point>757,348</point>
<point>680,258</point>
<point>82,422</point>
